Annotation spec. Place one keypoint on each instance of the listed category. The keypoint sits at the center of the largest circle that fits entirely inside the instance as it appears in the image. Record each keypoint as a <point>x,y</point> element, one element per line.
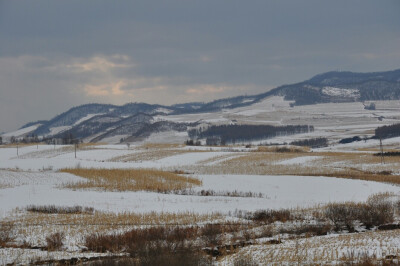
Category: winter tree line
<point>225,134</point>
<point>385,132</point>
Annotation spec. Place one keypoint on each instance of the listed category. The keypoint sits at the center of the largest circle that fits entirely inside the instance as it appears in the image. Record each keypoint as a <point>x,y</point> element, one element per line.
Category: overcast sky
<point>58,54</point>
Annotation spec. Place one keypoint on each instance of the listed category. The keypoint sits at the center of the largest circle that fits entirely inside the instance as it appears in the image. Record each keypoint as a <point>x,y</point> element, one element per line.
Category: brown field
<point>36,226</point>
<point>363,166</point>
<point>345,249</point>
<point>149,152</point>
<point>130,180</point>
<point>14,145</point>
<point>148,155</point>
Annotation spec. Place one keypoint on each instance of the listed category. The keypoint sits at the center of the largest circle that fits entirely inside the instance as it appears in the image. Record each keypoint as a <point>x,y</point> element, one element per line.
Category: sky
<point>58,54</point>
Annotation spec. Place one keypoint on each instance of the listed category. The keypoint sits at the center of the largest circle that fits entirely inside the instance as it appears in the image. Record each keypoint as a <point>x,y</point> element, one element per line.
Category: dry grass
<point>20,145</point>
<point>159,146</point>
<point>131,180</point>
<point>220,158</point>
<point>150,152</point>
<point>34,227</point>
<point>2,186</point>
<point>149,155</point>
<point>363,166</point>
<point>110,220</point>
<point>348,249</point>
<point>58,150</point>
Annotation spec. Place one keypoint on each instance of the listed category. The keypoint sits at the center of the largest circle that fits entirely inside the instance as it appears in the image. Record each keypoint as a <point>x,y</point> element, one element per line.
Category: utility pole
<point>382,157</point>
<point>17,150</point>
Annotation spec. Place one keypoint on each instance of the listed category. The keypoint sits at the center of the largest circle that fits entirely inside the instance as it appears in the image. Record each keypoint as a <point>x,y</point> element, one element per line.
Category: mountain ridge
<point>333,86</point>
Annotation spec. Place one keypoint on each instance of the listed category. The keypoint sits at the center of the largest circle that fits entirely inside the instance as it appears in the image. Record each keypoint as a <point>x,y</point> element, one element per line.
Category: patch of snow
<point>56,130</point>
<point>21,132</point>
<point>86,118</point>
<point>339,92</point>
<point>18,256</point>
<point>162,110</point>
<point>299,160</point>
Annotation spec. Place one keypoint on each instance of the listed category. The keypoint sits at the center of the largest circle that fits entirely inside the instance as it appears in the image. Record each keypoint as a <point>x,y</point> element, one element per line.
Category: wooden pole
<point>382,157</point>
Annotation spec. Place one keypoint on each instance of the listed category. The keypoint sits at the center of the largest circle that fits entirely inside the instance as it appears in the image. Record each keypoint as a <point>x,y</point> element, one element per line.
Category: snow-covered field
<point>30,175</point>
<point>45,188</point>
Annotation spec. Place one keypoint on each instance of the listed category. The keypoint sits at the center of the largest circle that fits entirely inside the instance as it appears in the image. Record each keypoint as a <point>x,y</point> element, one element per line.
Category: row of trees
<point>388,131</point>
<point>313,143</point>
<point>241,133</point>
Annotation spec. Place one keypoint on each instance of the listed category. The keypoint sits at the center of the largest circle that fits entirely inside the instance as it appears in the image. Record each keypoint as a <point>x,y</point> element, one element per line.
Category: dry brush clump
<point>270,216</point>
<point>7,233</point>
<point>376,211</point>
<point>213,193</point>
<point>52,209</point>
<point>34,227</point>
<point>131,180</point>
<point>55,241</point>
<point>153,246</point>
<point>308,230</point>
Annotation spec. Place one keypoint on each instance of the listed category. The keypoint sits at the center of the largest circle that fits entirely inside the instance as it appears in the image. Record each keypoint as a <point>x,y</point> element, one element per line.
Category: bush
<point>6,234</point>
<point>51,209</point>
<point>211,233</point>
<point>136,239</point>
<point>342,215</point>
<point>152,246</point>
<point>191,142</point>
<point>376,211</point>
<point>308,230</point>
<point>270,216</point>
<point>55,241</point>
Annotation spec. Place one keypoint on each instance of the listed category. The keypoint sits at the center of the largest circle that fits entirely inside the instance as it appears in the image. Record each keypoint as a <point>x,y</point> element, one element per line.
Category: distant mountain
<point>95,122</point>
<point>344,87</point>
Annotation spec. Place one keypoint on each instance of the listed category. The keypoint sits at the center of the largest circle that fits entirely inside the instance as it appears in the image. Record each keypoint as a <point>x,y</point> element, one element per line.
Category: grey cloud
<point>176,50</point>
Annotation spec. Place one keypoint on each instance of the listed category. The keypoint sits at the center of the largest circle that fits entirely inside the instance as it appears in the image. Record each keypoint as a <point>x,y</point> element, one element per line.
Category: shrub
<point>376,211</point>
<point>308,230</point>
<point>270,216</point>
<point>7,233</point>
<point>211,233</point>
<point>191,142</point>
<point>266,232</point>
<point>159,255</point>
<point>51,209</point>
<point>136,239</point>
<point>342,214</point>
<point>151,246</point>
<point>55,241</point>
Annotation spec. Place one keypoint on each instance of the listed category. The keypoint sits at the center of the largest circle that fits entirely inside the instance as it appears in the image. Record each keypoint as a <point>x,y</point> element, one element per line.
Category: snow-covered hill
<point>300,103</point>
